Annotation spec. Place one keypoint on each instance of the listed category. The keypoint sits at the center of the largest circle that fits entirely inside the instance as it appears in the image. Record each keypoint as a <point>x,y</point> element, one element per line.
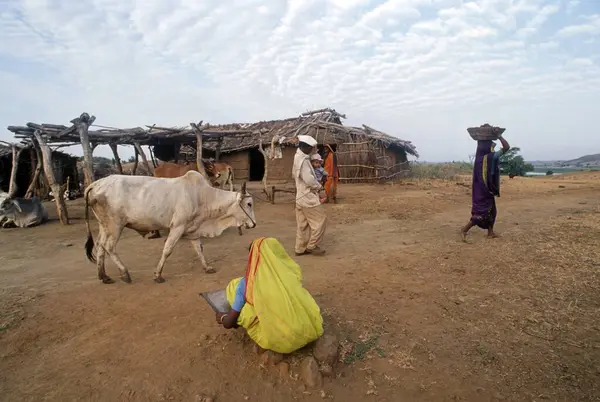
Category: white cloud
<point>591,26</point>
<point>420,69</point>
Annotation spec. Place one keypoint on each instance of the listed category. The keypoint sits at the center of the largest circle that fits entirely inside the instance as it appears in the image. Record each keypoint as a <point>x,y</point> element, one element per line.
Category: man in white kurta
<point>311,220</point>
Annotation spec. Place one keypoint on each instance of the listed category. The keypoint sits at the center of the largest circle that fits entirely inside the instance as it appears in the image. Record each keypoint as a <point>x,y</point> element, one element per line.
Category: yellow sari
<point>279,314</point>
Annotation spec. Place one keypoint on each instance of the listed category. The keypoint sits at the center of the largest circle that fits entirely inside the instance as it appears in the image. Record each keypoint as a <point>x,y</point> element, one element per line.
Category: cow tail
<point>231,176</point>
<point>89,244</point>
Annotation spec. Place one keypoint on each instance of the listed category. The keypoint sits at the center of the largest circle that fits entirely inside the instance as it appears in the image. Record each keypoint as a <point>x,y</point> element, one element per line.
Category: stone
<point>327,370</point>
<point>326,349</point>
<point>309,371</point>
<point>270,358</point>
<point>284,370</point>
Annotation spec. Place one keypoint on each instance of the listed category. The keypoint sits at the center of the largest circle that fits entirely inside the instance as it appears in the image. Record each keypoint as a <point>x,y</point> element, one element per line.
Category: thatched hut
<point>363,153</point>
<point>64,166</point>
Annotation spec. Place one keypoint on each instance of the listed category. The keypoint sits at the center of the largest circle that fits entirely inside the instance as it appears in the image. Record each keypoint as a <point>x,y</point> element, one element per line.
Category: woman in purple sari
<point>486,187</point>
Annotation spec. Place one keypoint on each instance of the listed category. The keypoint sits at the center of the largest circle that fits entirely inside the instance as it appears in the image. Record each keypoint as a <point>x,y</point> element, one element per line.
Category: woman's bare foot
<point>463,236</point>
<point>493,235</point>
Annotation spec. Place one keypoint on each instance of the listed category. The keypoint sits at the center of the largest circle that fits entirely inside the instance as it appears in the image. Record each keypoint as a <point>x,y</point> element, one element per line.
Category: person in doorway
<point>486,187</point>
<point>311,220</point>
<point>333,174</point>
<point>270,303</point>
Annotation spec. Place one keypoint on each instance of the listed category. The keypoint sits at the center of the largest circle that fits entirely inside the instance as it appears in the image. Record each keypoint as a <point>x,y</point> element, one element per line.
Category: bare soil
<point>422,316</point>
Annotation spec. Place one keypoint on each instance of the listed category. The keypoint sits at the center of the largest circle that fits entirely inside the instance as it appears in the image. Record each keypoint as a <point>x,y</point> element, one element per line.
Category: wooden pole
<point>16,153</point>
<point>264,179</point>
<point>113,148</point>
<point>154,164</point>
<point>61,208</point>
<point>38,169</point>
<point>140,151</point>
<point>199,163</point>
<point>136,161</point>
<point>218,149</point>
<point>82,123</point>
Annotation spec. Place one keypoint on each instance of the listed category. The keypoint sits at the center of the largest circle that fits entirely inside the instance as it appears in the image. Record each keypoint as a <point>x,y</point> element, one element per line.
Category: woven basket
<point>485,132</point>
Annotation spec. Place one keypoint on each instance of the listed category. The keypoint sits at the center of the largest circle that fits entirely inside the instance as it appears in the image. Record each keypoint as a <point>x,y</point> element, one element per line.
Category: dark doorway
<point>256,165</point>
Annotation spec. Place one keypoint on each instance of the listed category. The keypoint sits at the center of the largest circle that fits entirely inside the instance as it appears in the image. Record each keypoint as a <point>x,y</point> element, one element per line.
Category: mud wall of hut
<point>279,169</point>
<point>239,162</point>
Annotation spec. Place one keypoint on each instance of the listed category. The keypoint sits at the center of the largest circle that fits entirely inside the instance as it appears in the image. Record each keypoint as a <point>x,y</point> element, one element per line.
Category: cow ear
<point>243,191</point>
<point>16,204</point>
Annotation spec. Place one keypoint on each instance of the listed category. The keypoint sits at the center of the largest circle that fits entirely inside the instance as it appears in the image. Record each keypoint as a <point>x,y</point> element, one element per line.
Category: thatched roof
<point>324,124</point>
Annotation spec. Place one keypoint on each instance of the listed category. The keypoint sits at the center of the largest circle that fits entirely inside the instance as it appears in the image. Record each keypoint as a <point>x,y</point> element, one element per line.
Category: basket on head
<point>485,132</point>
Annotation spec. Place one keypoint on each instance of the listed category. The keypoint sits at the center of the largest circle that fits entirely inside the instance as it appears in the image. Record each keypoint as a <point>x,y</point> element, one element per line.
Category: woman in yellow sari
<point>270,303</point>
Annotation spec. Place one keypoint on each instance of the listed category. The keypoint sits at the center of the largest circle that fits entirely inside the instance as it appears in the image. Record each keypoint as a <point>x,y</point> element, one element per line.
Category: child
<point>315,161</point>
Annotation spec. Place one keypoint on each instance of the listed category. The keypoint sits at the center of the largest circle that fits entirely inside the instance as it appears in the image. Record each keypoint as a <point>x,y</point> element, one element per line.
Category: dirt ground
<point>423,317</point>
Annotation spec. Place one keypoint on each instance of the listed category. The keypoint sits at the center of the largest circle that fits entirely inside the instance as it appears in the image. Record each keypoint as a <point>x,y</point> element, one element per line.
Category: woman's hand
<point>219,317</point>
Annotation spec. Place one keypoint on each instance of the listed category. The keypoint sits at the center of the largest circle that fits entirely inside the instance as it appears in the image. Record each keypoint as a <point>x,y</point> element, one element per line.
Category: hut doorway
<point>256,168</point>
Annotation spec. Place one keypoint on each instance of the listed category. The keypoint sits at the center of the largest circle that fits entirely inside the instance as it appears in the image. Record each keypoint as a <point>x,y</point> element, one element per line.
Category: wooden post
<point>140,151</point>
<point>16,153</point>
<point>154,164</point>
<point>273,195</point>
<point>176,148</point>
<point>199,163</point>
<point>135,162</point>
<point>61,208</point>
<point>113,148</point>
<point>82,123</point>
<point>264,179</point>
<point>218,150</point>
<point>38,169</point>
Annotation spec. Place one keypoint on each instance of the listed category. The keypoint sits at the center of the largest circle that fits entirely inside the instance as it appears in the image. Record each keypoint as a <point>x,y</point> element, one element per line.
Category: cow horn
<point>243,188</point>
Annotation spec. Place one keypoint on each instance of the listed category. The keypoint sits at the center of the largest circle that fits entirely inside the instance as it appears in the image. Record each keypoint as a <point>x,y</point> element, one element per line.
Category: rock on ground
<point>309,372</point>
<point>326,349</point>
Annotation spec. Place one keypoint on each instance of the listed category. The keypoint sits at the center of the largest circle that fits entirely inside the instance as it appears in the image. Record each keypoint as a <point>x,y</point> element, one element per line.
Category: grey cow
<point>21,212</point>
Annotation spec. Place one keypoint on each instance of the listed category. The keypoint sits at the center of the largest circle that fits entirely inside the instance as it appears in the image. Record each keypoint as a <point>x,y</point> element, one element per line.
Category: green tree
<point>513,164</point>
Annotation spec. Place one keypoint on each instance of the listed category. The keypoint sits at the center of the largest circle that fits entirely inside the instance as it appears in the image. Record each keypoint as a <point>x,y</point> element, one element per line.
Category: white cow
<point>21,212</point>
<point>187,205</point>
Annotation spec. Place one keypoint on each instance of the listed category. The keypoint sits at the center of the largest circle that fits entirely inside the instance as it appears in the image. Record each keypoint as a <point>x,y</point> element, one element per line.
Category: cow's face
<point>246,210</point>
<point>10,208</point>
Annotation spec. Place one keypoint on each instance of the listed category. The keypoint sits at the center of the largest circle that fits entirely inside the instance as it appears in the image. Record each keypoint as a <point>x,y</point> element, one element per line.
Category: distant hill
<point>581,162</point>
<point>587,159</point>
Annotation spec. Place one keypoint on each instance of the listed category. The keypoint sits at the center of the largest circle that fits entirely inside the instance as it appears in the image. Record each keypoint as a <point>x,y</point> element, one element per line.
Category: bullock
<point>21,212</point>
<point>213,171</point>
<point>188,206</point>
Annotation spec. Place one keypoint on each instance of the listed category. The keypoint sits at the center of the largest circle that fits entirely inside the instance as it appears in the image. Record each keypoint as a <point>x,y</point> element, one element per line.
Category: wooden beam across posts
<point>198,132</point>
<point>38,169</point>
<point>113,148</point>
<point>82,124</point>
<point>140,151</point>
<point>61,208</point>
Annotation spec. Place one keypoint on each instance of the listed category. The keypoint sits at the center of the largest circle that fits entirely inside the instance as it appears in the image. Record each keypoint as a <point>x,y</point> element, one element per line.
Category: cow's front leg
<point>174,236</point>
<point>197,244</point>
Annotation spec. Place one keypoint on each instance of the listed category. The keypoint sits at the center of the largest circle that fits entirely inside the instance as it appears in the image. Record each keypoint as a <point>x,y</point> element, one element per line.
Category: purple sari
<point>486,185</point>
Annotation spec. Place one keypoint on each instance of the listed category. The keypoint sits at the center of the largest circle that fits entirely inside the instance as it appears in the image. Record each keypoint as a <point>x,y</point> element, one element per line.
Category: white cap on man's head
<point>307,139</point>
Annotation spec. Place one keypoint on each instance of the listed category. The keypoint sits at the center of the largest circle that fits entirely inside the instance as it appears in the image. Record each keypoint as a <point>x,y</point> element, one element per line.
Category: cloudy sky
<point>422,70</point>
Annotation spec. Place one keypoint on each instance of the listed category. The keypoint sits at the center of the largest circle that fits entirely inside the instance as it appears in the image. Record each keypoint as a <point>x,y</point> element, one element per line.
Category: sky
<point>421,70</point>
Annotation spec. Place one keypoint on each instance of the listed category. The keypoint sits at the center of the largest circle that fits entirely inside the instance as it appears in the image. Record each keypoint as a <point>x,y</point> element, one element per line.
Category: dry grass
<point>442,171</point>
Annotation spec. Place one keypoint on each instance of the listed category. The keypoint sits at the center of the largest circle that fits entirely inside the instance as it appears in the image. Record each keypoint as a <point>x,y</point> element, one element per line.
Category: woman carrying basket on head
<point>486,187</point>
